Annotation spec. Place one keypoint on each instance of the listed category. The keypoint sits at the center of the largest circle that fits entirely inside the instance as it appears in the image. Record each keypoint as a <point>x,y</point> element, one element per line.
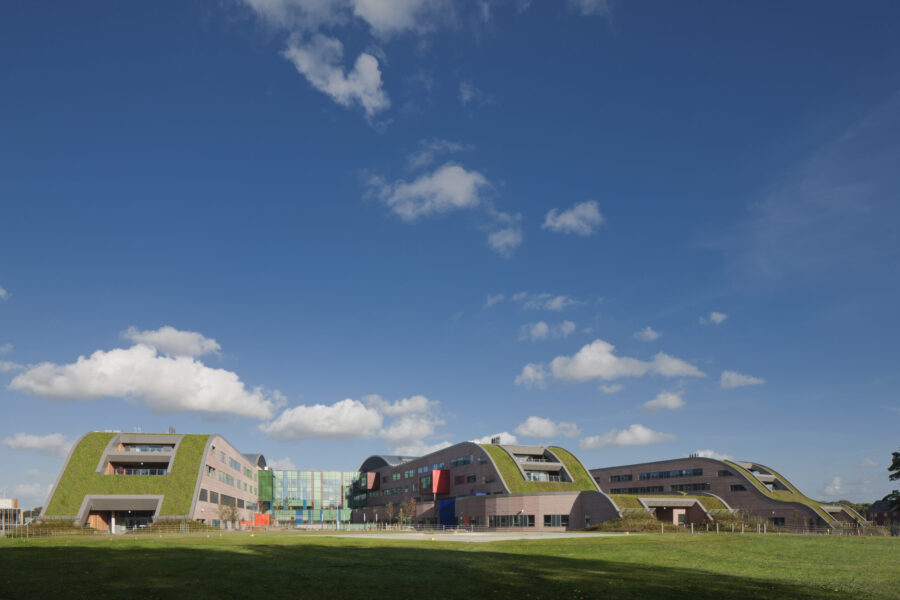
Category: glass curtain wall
<point>314,497</point>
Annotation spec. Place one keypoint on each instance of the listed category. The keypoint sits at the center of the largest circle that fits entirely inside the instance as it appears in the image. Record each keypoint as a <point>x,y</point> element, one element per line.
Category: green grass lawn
<point>321,566</point>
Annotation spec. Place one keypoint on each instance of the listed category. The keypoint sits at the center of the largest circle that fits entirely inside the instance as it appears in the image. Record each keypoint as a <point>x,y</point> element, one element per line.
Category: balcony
<point>138,471</point>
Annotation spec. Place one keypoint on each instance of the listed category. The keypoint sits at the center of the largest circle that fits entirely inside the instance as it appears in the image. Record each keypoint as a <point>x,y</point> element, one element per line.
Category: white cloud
<point>532,375</point>
<point>730,379</point>
<point>404,406</point>
<point>31,494</point>
<point>590,7</point>
<point>397,16</point>
<point>6,348</point>
<point>647,334</point>
<point>612,388</point>
<point>581,219</point>
<point>429,149</point>
<point>450,187</point>
<point>4,295</point>
<point>282,464</point>
<point>714,318</point>
<point>53,444</point>
<point>7,365</point>
<point>833,489</point>
<point>635,435</point>
<point>319,60</point>
<point>713,454</point>
<point>541,330</point>
<point>492,300</point>
<point>346,419</point>
<point>867,463</point>
<point>544,301</point>
<point>419,448</point>
<point>597,361</point>
<point>506,438</point>
<point>469,94</point>
<point>163,383</point>
<point>410,428</point>
<point>505,241</point>
<point>545,428</point>
<point>174,342</point>
<point>667,400</point>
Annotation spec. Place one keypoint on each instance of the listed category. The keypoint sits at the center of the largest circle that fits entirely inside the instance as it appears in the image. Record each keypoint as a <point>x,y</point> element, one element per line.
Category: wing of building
<point>696,489</point>
<point>113,481</point>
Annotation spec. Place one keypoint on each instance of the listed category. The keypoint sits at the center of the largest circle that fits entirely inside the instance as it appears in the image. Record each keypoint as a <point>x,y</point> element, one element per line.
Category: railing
<point>149,449</point>
<point>532,459</point>
<point>124,471</point>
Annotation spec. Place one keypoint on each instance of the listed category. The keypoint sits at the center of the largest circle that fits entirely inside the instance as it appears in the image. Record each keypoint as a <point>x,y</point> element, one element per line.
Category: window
<point>737,487</point>
<point>725,473</point>
<point>425,482</point>
<point>471,479</point>
<point>210,471</point>
<point>396,476</point>
<point>214,497</point>
<point>490,479</point>
<point>652,489</point>
<point>669,474</point>
<point>227,500</point>
<point>234,464</point>
<point>556,520</point>
<point>204,497</point>
<point>409,474</point>
<point>461,461</point>
<point>511,521</point>
<point>240,503</point>
<point>616,478</point>
<point>223,476</point>
<point>689,487</point>
<point>776,520</point>
<point>481,460</point>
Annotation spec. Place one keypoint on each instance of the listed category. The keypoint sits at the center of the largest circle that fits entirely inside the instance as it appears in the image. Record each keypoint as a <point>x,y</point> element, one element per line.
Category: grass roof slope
<point>80,477</point>
<point>517,484</point>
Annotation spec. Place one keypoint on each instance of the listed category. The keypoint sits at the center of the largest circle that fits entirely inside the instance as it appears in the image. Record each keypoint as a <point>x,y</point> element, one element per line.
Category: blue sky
<point>334,228</point>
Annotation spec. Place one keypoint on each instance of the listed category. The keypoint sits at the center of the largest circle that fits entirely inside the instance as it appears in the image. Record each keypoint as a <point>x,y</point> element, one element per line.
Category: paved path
<point>475,537</point>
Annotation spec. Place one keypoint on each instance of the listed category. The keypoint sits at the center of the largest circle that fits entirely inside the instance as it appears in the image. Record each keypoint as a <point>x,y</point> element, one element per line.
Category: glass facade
<point>312,497</point>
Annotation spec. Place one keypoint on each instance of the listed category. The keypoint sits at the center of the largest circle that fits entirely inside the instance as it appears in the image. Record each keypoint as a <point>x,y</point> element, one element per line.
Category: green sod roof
<point>80,477</point>
<point>794,495</point>
<point>517,484</point>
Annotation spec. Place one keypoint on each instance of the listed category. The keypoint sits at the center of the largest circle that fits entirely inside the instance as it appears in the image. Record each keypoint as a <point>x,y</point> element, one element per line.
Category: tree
<point>389,512</point>
<point>409,507</point>
<point>894,470</point>
<point>229,513</point>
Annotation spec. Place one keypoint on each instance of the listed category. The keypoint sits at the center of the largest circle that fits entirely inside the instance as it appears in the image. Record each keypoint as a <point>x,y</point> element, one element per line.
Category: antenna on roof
<point>171,429</point>
<point>495,440</point>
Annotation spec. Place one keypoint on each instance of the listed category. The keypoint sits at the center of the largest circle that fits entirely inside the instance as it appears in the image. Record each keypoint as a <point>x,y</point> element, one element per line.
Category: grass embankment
<point>320,566</point>
<point>794,495</point>
<point>80,477</point>
<point>517,484</point>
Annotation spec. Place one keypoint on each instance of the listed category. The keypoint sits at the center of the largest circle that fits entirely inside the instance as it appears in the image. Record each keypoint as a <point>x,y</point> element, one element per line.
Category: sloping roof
<point>256,459</point>
<point>379,461</point>
<point>881,506</point>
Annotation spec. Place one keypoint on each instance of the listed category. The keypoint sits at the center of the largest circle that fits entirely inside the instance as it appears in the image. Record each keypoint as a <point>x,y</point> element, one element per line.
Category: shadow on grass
<point>157,569</point>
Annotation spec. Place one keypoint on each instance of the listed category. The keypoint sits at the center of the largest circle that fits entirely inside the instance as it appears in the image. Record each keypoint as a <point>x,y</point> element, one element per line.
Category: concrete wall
<point>208,511</point>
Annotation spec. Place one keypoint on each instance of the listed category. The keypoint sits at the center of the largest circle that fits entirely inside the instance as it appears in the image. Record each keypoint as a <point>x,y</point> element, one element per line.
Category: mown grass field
<point>322,566</point>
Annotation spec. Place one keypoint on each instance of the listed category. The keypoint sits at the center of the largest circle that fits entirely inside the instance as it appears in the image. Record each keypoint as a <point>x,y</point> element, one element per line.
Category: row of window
<point>389,492</point>
<point>216,498</point>
<point>556,520</point>
<point>667,474</point>
<point>130,471</point>
<point>689,487</point>
<point>512,520</point>
<point>461,461</point>
<point>225,459</point>
<point>670,474</point>
<point>651,489</point>
<point>461,479</point>
<point>230,480</point>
